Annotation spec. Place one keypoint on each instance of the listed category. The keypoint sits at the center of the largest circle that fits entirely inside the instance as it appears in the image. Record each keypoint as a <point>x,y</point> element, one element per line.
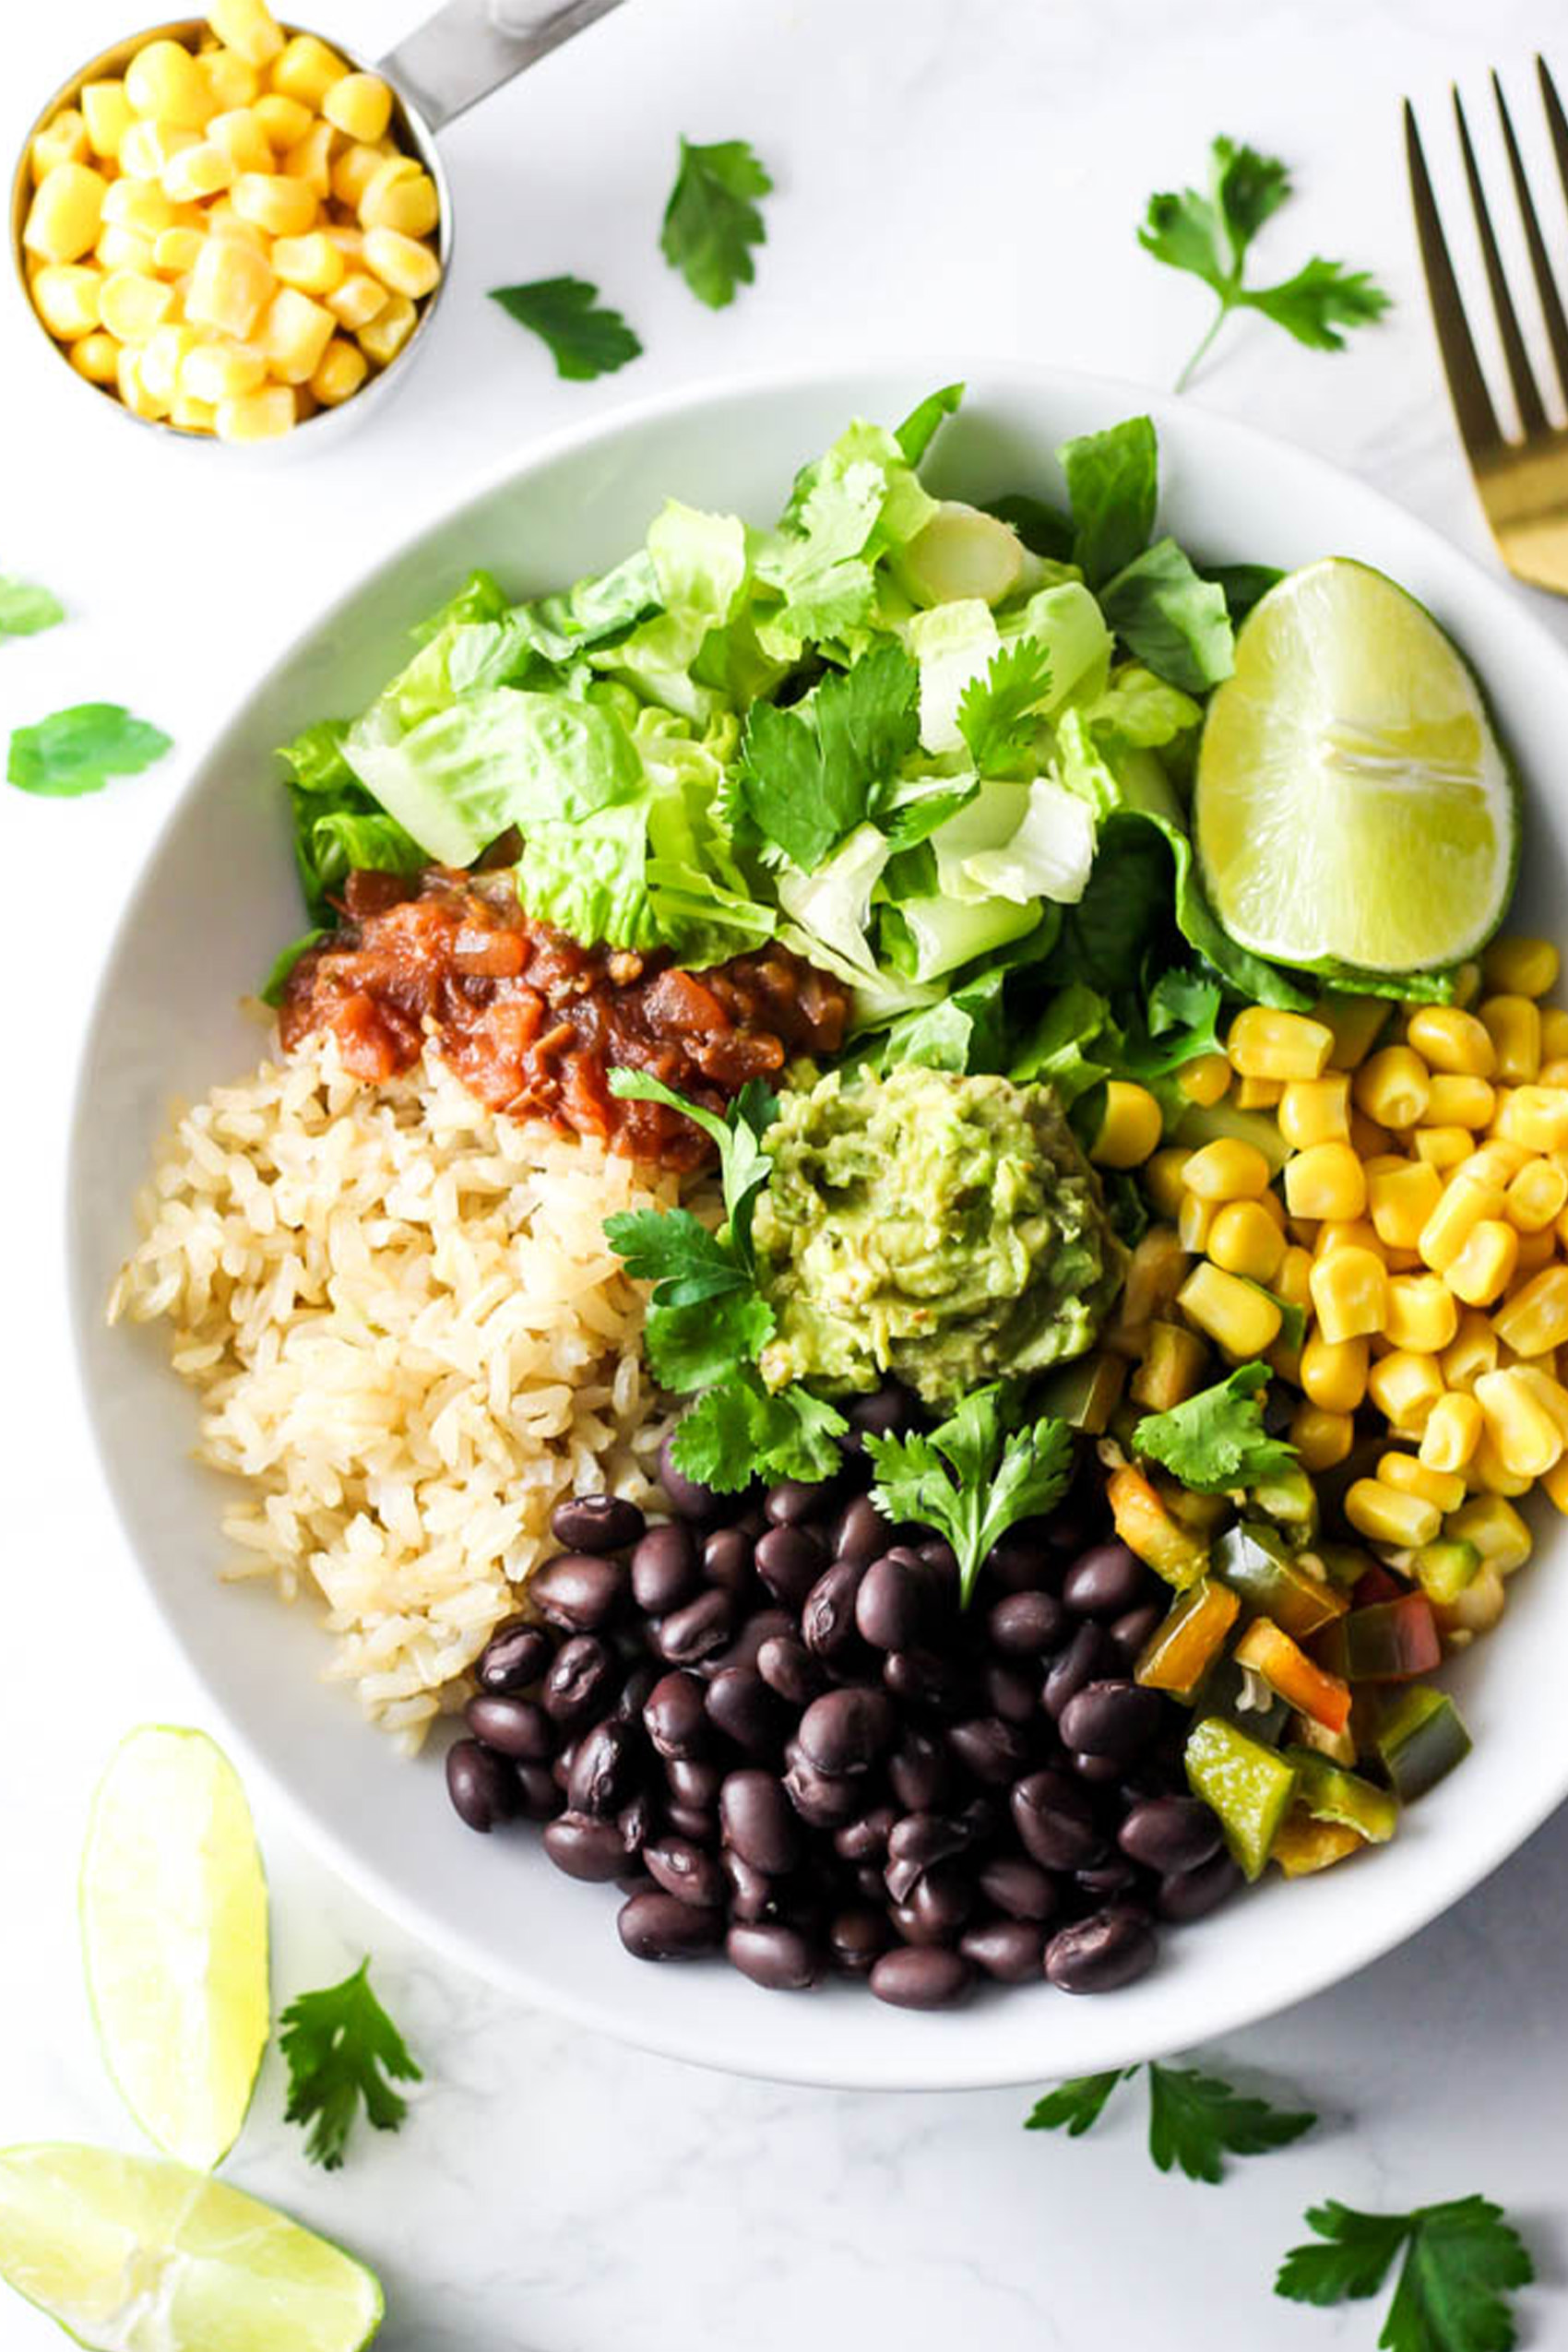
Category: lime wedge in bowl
<point>174,1908</point>
<point>140,2254</point>
<point>1353,806</point>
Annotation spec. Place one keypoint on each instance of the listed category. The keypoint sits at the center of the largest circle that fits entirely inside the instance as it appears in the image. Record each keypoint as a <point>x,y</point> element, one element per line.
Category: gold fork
<point>1523,483</point>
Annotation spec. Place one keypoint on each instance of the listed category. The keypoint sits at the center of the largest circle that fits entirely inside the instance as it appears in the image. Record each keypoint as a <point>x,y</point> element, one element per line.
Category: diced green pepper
<point>1243,1698</point>
<point>1445,1569</point>
<point>1343,1563</point>
<point>1421,1739</point>
<point>1247,1787</point>
<point>1254,1561</point>
<point>1330,1793</point>
<point>1188,1639</point>
<point>1084,1394</point>
<point>1289,1497</point>
<point>1391,1641</point>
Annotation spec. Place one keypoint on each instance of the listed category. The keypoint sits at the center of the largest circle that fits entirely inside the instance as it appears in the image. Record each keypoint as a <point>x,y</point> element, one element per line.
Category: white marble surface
<point>948,177</point>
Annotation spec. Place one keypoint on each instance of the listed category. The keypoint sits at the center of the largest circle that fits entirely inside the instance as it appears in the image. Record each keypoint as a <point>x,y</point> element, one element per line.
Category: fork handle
<point>470,47</point>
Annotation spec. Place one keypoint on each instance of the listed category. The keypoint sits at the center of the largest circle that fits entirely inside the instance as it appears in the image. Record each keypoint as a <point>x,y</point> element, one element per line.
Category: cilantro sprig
<point>342,2049</point>
<point>1216,1440</point>
<point>1195,2121</point>
<point>1462,2259</point>
<point>974,1476</point>
<point>584,336</point>
<point>1209,234</point>
<point>997,712</point>
<point>711,222</point>
<point>76,751</point>
<point>812,772</point>
<point>26,608</point>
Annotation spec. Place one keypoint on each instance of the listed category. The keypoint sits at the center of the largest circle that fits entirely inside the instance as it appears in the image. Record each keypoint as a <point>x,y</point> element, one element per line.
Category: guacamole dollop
<point>945,1230</point>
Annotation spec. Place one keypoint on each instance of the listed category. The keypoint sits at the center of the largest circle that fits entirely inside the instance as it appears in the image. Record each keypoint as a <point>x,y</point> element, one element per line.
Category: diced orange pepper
<point>1288,1670</point>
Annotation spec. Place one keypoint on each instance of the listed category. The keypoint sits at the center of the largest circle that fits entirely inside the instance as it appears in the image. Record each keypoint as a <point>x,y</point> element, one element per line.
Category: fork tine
<point>1546,285</point>
<point>1466,385</point>
<point>1556,123</point>
<point>1532,415</point>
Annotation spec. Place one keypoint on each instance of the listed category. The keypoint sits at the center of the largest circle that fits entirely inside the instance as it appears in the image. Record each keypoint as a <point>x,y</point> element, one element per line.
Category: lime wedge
<point>138,2254</point>
<point>1353,806</point>
<point>174,1937</point>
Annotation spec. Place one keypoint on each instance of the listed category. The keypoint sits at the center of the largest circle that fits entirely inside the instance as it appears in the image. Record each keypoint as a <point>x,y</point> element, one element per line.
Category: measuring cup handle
<point>470,47</point>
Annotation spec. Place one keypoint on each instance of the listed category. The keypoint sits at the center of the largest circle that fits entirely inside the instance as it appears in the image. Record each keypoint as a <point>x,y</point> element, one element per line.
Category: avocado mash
<point>945,1230</point>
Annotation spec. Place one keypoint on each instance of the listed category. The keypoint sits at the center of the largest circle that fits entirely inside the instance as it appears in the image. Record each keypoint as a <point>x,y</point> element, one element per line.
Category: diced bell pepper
<point>1180,1650</point>
<point>1253,1560</point>
<point>1248,1787</point>
<point>1420,1740</point>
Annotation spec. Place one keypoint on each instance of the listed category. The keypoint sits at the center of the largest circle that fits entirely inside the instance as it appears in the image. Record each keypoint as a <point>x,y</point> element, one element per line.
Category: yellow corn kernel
<point>1394,1088</point>
<point>1130,1126</point>
<point>192,416</point>
<point>1553,1024</point>
<point>388,332</point>
<point>400,196</point>
<point>162,353</point>
<point>132,305</point>
<point>175,251</point>
<point>1349,1289</point>
<point>164,83</point>
<point>1205,1079</point>
<point>1553,1073</point>
<point>139,205</point>
<point>262,415</point>
<point>247,27</point>
<point>1454,1430</point>
<point>240,136</point>
<point>133,392</point>
<point>1465,1203</point>
<point>1385,1515</point>
<point>1457,1102</point>
<point>341,369</point>
<point>1325,1181</point>
<point>230,287</point>
<point>284,120</point>
<point>1471,1351</point>
<point>1442,1147</point>
<point>1347,1233</point>
<point>404,263</point>
<point>1409,1475</point>
<point>197,172</point>
<point>310,160</point>
<point>231,79</point>
<point>1317,1110</point>
<point>1554,1485</point>
<point>1535,1250</point>
<point>1540,1381</point>
<point>63,140</point>
<point>1538,1195</point>
<point>1423,1314</point>
<point>1484,1267</point>
<point>97,357</point>
<point>1525,1433</point>
<point>1357,1022</point>
<point>1497,1161</point>
<point>1489,1474</point>
<point>1448,1039</point>
<point>1322,1439</point>
<point>1496,1530</point>
<point>1536,1318</point>
<point>1194,1221</point>
<point>1333,1373</point>
<point>1534,1116</point>
<point>1405,1387</point>
<point>66,295</point>
<point>359,299</point>
<point>1264,1044</point>
<point>359,105</point>
<point>1367,1136</point>
<point>106,111</point>
<point>122,249</point>
<point>148,150</point>
<point>1172,1370</point>
<point>1516,967</point>
<point>1162,1178</point>
<point>312,263</point>
<point>1155,1272</point>
<point>220,370</point>
<point>223,220</point>
<point>352,172</point>
<point>1292,1278</point>
<point>1259,1094</point>
<point>1513,1023</point>
<point>268,200</point>
<point>1245,1240</point>
<point>1227,1169</point>
<point>1241,1320</point>
<point>293,333</point>
<point>306,69</point>
<point>65,213</point>
<point>1400,1200</point>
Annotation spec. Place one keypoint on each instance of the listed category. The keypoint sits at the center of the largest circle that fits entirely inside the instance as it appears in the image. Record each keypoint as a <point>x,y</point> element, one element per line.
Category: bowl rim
<point>944,2065</point>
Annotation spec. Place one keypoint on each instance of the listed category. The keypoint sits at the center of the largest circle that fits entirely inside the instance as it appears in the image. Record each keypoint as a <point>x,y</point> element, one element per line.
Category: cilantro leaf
<point>1171,618</point>
<point>711,222</point>
<point>694,1344</point>
<point>744,1164</point>
<point>674,1250</point>
<point>1113,486</point>
<point>1077,2105</point>
<point>1216,1440</point>
<point>340,2047</point>
<point>1195,2121</point>
<point>1209,234</point>
<point>970,1479</point>
<point>76,751</point>
<point>1462,2259</point>
<point>25,608</point>
<point>737,1430</point>
<point>584,339</point>
<point>996,711</point>
<point>810,774</point>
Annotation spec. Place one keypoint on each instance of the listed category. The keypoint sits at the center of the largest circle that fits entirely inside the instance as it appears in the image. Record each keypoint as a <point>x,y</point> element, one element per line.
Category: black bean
<point>868,1883</point>
<point>684,1870</point>
<point>635,1821</point>
<point>516,1728</point>
<point>1111,1719</point>
<point>1104,1580</point>
<point>585,1848</point>
<point>753,1894</point>
<point>1016,1564</point>
<point>693,1780</point>
<point>846,1730</point>
<point>757,1820</point>
<point>857,1936</point>
<point>1026,1624</point>
<point>884,1414</point>
<point>762,1625</point>
<point>919,1771</point>
<point>538,1798</point>
<point>665,1570</point>
<point>1018,1887</point>
<point>1009,1690</point>
<point>581,1683</point>
<point>864,1840</point>
<point>603,1769</point>
<point>1087,1655</point>
<point>637,1690</point>
<point>1115,1876</point>
<point>893,1604</point>
<point>1009,1950</point>
<point>917,1842</point>
<point>596,1522</point>
<point>937,1556</point>
<point>742,1707</point>
<point>727,1561</point>
<point>994,1752</point>
<point>827,1613</point>
<point>561,1765</point>
<point>789,1560</point>
<point>688,1500</point>
<point>920,1679</point>
<point>779,1958</point>
<point>1096,1954</point>
<point>913,1977</point>
<point>1055,1822</point>
<point>482,1786</point>
<point>1169,1834</point>
<point>660,1927</point>
<point>1191,1894</point>
<point>792,1500</point>
<point>942,1901</point>
<point>675,1715</point>
<point>694,1631</point>
<point>698,1822</point>
<point>821,1798</point>
<point>1132,1630</point>
<point>787,1666</point>
<point>515,1655</point>
<point>861,1532</point>
<point>579,1591</point>
<point>1098,1771</point>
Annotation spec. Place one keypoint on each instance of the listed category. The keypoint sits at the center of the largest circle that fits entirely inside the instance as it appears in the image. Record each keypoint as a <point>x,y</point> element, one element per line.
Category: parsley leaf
<point>1077,2105</point>
<point>996,711</point>
<point>340,2047</point>
<point>1462,2259</point>
<point>970,1479</point>
<point>739,1430</point>
<point>584,339</point>
<point>1208,235</point>
<point>1216,1440</point>
<point>26,609</point>
<point>1195,2121</point>
<point>811,773</point>
<point>711,223</point>
<point>76,751</point>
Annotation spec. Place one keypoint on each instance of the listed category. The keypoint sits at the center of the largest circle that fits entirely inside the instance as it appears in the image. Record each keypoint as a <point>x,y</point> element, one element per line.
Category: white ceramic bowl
<point>217,898</point>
